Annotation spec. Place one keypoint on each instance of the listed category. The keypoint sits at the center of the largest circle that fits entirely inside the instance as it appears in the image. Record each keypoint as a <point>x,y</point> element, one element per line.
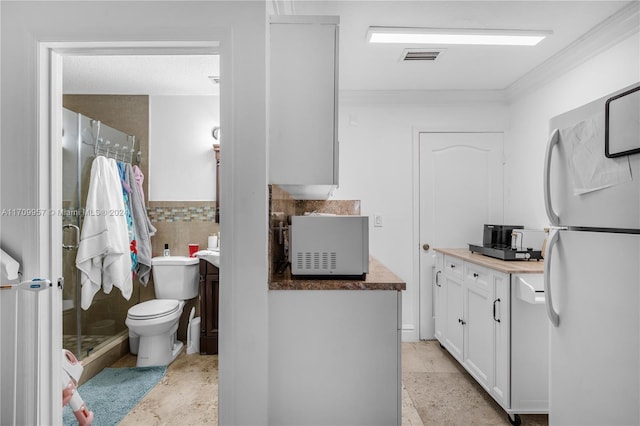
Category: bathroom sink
<point>211,256</point>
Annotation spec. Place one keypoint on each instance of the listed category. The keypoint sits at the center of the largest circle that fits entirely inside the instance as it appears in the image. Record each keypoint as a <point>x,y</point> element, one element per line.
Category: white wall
<point>376,148</point>
<point>182,163</point>
<point>241,28</point>
<point>613,69</point>
<point>376,137</point>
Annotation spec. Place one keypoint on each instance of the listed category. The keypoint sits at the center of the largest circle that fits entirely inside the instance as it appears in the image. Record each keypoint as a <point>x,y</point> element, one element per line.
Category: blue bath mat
<point>113,392</point>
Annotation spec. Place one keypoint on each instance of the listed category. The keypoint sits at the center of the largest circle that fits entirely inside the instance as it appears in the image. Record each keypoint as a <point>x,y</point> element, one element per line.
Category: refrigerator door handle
<point>551,312</point>
<point>553,141</point>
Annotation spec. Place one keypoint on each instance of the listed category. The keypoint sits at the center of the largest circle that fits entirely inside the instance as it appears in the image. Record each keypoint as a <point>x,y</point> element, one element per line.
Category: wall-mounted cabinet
<point>303,104</point>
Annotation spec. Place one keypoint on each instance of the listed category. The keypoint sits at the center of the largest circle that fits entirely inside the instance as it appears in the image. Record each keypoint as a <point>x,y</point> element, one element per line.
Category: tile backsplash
<point>197,213</point>
<point>282,206</point>
<point>180,223</point>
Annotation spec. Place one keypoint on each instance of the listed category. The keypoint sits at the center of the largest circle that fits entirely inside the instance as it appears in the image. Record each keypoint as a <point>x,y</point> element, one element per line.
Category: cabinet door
<point>454,324</point>
<point>501,326</point>
<point>209,290</point>
<point>440,306</point>
<point>303,103</point>
<point>333,358</point>
<point>478,327</point>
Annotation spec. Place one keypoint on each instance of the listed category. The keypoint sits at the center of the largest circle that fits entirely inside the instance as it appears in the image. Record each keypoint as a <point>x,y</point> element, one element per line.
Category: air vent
<point>421,54</point>
<point>315,261</point>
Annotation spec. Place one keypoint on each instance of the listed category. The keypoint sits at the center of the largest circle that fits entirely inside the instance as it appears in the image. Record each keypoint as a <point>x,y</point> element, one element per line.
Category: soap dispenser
<point>166,250</point>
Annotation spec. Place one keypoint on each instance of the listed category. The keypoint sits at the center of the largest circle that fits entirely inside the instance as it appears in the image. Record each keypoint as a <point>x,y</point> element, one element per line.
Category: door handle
<point>553,141</point>
<point>426,247</point>
<point>548,300</point>
<point>77,229</point>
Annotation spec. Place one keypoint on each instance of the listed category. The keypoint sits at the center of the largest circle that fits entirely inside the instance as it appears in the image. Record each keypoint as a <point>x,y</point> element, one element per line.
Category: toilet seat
<point>155,308</point>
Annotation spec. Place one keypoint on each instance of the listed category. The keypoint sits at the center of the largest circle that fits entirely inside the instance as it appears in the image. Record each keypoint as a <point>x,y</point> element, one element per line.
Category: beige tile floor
<point>186,395</point>
<point>436,390</point>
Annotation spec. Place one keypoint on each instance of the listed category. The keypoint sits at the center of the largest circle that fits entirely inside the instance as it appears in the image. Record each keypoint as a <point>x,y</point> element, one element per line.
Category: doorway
<point>50,129</point>
<point>118,101</point>
<point>460,189</point>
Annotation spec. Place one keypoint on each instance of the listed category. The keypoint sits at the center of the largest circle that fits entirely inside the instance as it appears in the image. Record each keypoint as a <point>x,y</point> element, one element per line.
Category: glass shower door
<point>85,331</point>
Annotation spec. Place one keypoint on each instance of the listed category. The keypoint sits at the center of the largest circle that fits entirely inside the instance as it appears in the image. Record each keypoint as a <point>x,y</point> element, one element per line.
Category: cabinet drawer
<point>453,267</point>
<point>479,275</point>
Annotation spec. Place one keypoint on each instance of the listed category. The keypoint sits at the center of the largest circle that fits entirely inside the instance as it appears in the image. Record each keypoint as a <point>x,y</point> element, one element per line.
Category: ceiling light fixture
<point>455,36</point>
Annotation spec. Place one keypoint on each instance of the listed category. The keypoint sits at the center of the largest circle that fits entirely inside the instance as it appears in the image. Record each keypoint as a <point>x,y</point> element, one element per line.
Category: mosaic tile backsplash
<point>180,223</point>
<point>201,213</point>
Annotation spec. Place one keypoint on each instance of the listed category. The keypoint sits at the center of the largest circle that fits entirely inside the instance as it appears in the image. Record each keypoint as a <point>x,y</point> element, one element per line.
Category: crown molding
<point>608,33</point>
<point>420,97</point>
<point>282,7</point>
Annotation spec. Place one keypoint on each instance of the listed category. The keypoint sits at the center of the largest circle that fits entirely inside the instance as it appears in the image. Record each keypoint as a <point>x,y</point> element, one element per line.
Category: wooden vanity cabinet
<point>209,289</point>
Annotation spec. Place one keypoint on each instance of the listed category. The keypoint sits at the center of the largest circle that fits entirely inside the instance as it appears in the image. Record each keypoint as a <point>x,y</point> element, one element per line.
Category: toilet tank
<point>176,277</point>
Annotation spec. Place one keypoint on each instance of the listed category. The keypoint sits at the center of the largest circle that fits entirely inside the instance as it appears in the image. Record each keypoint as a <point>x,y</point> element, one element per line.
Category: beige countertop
<point>509,267</point>
<point>378,278</point>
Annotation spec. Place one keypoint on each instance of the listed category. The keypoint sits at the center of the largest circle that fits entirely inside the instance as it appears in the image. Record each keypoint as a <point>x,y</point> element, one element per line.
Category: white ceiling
<point>375,67</point>
<point>141,75</point>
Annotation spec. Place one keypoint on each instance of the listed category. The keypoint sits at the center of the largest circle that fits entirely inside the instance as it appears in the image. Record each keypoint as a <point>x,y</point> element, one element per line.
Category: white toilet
<point>153,324</point>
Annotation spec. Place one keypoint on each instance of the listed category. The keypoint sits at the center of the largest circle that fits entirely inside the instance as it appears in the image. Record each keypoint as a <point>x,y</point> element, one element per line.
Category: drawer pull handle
<point>475,275</point>
<point>437,279</point>
<point>461,321</point>
<point>452,266</point>
<point>494,310</point>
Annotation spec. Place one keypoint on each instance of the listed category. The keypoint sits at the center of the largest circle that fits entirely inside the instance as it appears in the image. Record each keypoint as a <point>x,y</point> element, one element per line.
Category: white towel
<point>103,255</point>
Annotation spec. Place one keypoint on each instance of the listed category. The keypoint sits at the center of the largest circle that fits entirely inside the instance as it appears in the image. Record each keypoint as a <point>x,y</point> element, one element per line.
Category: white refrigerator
<point>592,264</point>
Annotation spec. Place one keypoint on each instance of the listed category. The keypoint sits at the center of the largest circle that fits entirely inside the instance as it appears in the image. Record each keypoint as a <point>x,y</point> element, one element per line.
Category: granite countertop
<point>509,267</point>
<point>378,278</point>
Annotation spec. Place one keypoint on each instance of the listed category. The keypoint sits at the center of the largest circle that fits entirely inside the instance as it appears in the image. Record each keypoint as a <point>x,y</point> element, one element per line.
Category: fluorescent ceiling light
<point>455,36</point>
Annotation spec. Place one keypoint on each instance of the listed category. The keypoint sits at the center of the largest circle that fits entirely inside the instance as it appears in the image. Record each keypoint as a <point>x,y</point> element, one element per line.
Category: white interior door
<point>461,189</point>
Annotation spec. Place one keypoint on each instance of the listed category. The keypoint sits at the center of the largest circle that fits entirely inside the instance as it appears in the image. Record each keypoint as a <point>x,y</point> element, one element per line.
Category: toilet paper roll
<point>212,242</point>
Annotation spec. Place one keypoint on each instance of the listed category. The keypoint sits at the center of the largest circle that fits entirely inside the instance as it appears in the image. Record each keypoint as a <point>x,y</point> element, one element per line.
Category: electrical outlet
<point>377,219</point>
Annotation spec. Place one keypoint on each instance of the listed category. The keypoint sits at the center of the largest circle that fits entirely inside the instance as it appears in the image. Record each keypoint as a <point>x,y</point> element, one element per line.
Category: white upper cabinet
<point>303,104</point>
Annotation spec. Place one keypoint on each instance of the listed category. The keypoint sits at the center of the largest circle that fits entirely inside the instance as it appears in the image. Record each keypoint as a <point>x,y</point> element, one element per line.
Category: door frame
<point>424,306</point>
<point>49,162</point>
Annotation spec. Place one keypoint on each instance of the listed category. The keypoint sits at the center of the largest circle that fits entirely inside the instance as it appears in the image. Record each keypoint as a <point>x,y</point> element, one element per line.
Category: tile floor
<point>436,390</point>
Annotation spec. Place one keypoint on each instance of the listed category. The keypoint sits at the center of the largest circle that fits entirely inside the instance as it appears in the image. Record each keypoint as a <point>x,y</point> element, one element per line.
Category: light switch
<point>377,219</point>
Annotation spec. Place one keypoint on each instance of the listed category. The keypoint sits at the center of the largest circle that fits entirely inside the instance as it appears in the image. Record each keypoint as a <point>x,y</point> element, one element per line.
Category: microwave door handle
<point>553,141</point>
<point>551,312</point>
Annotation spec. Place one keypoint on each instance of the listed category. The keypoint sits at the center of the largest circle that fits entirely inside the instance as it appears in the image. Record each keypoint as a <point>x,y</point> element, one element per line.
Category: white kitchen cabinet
<point>500,388</point>
<point>303,104</point>
<point>334,357</point>
<point>439,302</point>
<point>454,305</point>
<point>474,321</point>
<point>478,323</point>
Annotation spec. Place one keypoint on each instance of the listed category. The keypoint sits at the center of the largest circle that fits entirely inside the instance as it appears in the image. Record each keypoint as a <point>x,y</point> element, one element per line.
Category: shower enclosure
<point>85,331</point>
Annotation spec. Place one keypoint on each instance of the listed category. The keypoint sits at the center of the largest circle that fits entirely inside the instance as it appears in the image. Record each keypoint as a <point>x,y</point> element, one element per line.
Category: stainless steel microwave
<point>329,245</point>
